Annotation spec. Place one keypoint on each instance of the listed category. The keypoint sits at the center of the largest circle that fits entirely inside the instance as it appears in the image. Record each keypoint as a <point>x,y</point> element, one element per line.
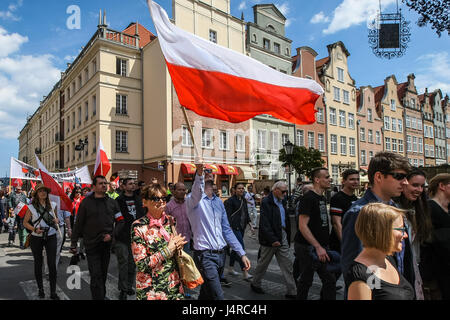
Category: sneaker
<point>257,289</point>
<point>22,247</point>
<point>232,272</point>
<point>225,282</point>
<point>247,276</point>
<point>54,296</point>
<point>41,293</point>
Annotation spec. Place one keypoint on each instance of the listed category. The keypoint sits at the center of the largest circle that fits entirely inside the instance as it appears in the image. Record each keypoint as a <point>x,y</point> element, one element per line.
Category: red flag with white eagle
<point>102,164</point>
<point>21,210</point>
<point>217,82</point>
<point>57,193</point>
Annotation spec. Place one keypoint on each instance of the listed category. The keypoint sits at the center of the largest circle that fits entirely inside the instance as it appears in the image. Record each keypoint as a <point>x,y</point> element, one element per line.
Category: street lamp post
<point>289,150</point>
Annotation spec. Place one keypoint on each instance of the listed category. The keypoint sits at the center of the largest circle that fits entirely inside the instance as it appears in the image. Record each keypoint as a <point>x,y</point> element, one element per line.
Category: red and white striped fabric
<point>102,165</point>
<point>57,193</point>
<point>21,210</point>
<point>118,217</point>
<point>217,82</point>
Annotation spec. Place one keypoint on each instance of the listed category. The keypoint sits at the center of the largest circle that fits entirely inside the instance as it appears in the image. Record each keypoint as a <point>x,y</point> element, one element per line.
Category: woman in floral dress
<point>153,246</point>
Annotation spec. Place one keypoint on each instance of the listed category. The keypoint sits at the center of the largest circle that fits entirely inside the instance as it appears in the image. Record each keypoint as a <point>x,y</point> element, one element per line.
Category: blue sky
<point>36,45</point>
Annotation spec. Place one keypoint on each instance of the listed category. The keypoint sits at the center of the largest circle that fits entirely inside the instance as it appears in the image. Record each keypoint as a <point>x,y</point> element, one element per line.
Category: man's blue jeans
<point>210,265</point>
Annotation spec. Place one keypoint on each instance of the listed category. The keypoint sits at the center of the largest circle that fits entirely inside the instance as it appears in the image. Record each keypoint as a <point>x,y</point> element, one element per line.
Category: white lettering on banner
<point>74,280</point>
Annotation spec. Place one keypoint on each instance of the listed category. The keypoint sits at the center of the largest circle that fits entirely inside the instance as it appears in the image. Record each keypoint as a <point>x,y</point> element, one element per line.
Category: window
<point>420,146</point>
<point>343,145</point>
<point>335,172</point>
<point>387,123</point>
<point>68,153</point>
<point>416,162</point>
<point>333,116</point>
<point>274,141</point>
<point>79,116</point>
<point>300,138</point>
<point>400,125</point>
<point>94,105</point>
<point>388,144</point>
<point>362,134</point>
<point>413,123</point>
<point>80,82</point>
<point>346,97</point>
<point>94,66</point>
<point>400,146</point>
<point>187,139</point>
<point>254,38</point>
<point>370,136</point>
<point>68,124</point>
<point>394,124</point>
<point>73,153</point>
<point>240,142</point>
<point>393,108</point>
<point>408,121</point>
<point>213,36</point>
<point>284,138</point>
<point>262,139</point>
<point>321,141</point>
<point>121,67</point>
<point>311,141</point>
<point>370,155</point>
<point>86,111</point>
<point>121,141</point>
<point>73,120</point>
<point>340,73</point>
<point>421,162</point>
<point>342,118</point>
<point>369,115</point>
<point>333,142</point>
<point>351,121</point>
<point>94,142</point>
<point>276,48</point>
<point>413,103</point>
<point>207,142</point>
<point>86,75</point>
<point>394,145</point>
<point>337,94</point>
<point>224,141</point>
<point>319,115</point>
<point>266,43</point>
<point>121,104</point>
<point>351,144</point>
<point>408,144</point>
<point>363,157</point>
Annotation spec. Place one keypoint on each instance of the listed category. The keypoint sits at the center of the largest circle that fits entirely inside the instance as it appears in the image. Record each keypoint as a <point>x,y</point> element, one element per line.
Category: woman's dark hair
<point>74,191</point>
<point>421,220</point>
<point>2,193</point>
<point>35,202</point>
<point>151,191</point>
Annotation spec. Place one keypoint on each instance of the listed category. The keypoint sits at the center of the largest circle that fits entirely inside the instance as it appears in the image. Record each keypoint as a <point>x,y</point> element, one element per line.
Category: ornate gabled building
<point>428,128</point>
<point>439,127</point>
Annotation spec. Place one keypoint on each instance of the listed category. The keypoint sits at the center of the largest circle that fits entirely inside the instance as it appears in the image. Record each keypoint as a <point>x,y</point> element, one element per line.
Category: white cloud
<point>320,18</point>
<point>354,12</point>
<point>284,8</point>
<point>243,5</point>
<point>9,14</point>
<point>433,72</point>
<point>24,80</point>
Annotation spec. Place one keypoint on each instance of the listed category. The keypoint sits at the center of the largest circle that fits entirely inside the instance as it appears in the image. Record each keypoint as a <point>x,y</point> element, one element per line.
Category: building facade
<point>370,137</point>
<point>428,128</point>
<point>440,141</point>
<point>412,122</point>
<point>340,107</point>
<point>446,108</point>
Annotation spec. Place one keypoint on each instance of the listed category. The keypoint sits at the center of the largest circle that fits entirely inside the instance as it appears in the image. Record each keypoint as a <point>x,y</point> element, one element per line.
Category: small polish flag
<point>21,210</point>
<point>116,181</point>
<point>102,164</point>
<point>33,184</point>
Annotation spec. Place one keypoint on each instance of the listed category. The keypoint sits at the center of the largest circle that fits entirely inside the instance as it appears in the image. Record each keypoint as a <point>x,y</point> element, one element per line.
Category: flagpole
<point>190,132</point>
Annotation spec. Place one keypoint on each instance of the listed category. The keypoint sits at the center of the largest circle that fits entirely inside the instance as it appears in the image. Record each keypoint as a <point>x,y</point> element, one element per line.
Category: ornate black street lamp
<point>289,150</point>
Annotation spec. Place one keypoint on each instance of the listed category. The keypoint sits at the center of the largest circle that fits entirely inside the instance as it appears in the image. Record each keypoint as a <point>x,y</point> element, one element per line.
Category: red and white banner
<point>57,193</point>
<point>21,170</point>
<point>102,165</point>
<point>21,210</point>
<point>217,82</point>
<point>16,183</point>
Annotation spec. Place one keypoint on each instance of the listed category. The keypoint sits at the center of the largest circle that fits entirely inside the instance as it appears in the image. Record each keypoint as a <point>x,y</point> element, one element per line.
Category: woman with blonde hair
<point>153,246</point>
<point>373,274</point>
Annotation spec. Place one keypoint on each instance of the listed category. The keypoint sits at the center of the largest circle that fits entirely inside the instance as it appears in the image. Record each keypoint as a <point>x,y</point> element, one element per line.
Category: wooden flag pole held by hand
<point>196,153</point>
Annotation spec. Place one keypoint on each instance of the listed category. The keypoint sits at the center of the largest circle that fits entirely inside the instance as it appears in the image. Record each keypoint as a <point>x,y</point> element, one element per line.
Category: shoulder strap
<point>231,217</point>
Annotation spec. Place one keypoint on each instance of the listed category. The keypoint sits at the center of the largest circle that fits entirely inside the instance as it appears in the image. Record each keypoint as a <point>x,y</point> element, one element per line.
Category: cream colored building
<point>340,100</point>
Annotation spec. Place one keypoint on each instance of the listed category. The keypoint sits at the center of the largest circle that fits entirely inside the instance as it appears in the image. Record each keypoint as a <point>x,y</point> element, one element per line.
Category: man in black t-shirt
<point>340,203</point>
<point>313,236</point>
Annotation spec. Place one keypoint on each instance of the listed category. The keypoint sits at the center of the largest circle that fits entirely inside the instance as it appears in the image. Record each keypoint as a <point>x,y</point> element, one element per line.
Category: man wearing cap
<point>17,197</point>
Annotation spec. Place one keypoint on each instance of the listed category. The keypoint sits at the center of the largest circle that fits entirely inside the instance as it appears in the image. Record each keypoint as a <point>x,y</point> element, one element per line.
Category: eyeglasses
<point>398,175</point>
<point>158,199</point>
<point>283,191</point>
<point>403,230</point>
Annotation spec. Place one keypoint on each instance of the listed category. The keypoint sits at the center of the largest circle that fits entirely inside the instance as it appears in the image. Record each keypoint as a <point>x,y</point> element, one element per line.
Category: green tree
<point>303,160</point>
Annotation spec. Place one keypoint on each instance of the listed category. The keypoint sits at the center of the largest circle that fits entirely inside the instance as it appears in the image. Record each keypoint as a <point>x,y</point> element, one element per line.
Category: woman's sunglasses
<point>158,199</point>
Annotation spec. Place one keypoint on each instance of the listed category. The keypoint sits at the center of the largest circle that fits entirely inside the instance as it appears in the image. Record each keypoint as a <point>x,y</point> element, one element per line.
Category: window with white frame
<point>346,96</point>
<point>400,125</point>
<point>416,162</point>
<point>420,146</point>
<point>340,73</point>
<point>413,123</point>
<point>333,143</point>
<point>394,124</point>
<point>415,144</point>
<point>276,48</point>
<point>394,145</point>
<point>362,134</point>
<point>266,43</point>
<point>400,146</point>
<point>343,145</point>
<point>321,142</point>
<point>388,143</point>
<point>377,137</point>
<point>352,149</point>
<point>121,141</point>
<point>370,155</point>
<point>369,115</point>
<point>207,138</point>
<point>79,116</point>
<point>342,118</point>
<point>387,123</point>
<point>337,94</point>
<point>408,121</point>
<point>421,162</point>
<point>121,104</point>
<point>311,141</point>
<point>393,107</point>
<point>370,136</point>
<point>363,157</point>
<point>333,116</point>
<point>213,36</point>
<point>335,172</point>
<point>240,142</point>
<point>224,143</point>
<point>351,121</point>
<point>419,124</point>
<point>319,115</point>
<point>121,67</point>
<point>408,144</point>
<point>187,139</point>
<point>94,105</point>
<point>274,141</point>
<point>300,138</point>
<point>284,138</point>
<point>413,103</point>
<point>86,111</point>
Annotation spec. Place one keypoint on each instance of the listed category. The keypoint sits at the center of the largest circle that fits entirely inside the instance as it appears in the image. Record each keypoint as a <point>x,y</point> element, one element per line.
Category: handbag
<point>189,274</point>
<point>28,239</point>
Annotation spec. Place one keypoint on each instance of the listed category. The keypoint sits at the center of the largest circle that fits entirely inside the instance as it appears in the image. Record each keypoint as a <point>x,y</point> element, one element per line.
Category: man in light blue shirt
<point>211,234</point>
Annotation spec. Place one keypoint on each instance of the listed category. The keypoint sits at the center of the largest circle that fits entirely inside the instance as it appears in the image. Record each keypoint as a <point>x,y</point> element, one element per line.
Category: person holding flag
<point>43,227</point>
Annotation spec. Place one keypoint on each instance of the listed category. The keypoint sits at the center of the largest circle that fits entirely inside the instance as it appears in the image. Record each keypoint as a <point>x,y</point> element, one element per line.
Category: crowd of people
<point>393,243</point>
